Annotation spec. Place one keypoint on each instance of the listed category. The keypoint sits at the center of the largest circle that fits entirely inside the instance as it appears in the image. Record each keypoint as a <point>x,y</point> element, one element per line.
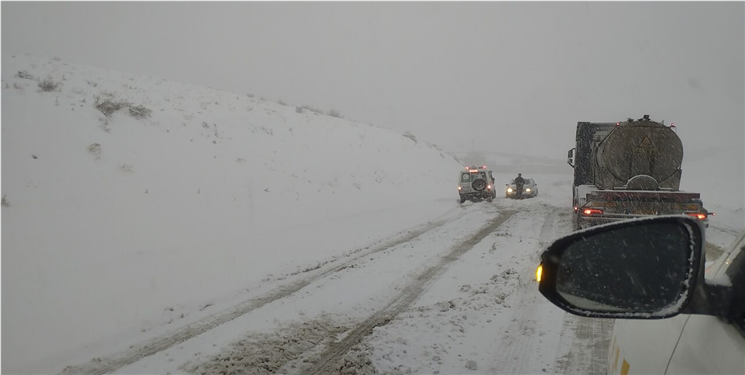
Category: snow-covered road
<point>485,314</point>
<point>453,295</point>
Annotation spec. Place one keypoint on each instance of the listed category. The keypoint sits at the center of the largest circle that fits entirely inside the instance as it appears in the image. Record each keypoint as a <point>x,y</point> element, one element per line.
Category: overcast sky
<point>507,76</point>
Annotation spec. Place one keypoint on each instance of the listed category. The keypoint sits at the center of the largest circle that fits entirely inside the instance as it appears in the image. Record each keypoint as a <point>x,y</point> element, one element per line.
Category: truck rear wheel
<point>575,222</point>
<point>583,224</point>
<point>462,198</point>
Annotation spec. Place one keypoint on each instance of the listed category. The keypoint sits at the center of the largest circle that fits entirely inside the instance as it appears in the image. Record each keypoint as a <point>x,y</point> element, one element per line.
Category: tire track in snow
<point>403,301</point>
<point>515,352</point>
<point>729,231</point>
<point>589,345</point>
<point>587,341</point>
<point>99,366</point>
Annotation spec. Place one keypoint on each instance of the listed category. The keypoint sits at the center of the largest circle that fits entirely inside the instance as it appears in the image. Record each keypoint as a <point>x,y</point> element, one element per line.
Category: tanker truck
<point>626,170</point>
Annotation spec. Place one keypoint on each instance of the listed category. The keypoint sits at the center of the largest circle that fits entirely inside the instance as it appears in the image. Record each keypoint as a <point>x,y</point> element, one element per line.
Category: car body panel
<point>645,346</point>
<point>684,344</point>
<point>708,346</point>
<point>723,350</point>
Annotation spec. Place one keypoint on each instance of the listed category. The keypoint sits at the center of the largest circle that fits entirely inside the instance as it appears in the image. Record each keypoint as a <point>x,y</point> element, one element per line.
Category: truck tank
<point>639,148</point>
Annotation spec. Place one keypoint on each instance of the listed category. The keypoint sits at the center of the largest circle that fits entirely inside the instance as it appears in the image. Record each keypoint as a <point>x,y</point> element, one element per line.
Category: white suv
<point>476,183</point>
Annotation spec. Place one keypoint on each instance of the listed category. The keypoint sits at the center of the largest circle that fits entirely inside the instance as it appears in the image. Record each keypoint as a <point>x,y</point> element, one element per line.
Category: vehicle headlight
<point>509,190</point>
<point>527,190</point>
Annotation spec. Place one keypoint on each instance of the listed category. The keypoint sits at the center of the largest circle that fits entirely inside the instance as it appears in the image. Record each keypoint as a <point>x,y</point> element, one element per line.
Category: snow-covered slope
<point>719,175</point>
<point>108,221</point>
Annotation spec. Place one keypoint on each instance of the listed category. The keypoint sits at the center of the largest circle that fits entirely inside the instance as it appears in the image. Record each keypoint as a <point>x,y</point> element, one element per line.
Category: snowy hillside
<point>180,198</point>
<point>719,176</point>
<point>510,163</point>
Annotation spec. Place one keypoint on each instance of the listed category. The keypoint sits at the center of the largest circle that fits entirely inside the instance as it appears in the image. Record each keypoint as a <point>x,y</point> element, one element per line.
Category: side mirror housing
<point>640,269</point>
<point>570,157</point>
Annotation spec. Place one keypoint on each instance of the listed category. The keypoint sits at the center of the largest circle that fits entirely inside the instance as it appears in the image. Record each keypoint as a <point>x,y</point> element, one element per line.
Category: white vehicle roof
<point>482,168</point>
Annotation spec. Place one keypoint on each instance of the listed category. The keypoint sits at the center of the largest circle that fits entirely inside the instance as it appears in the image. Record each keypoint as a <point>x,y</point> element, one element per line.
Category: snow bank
<point>110,220</point>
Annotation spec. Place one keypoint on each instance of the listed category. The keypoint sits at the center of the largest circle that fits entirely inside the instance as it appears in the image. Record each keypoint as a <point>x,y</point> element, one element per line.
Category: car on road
<point>530,189</point>
<point>476,183</point>
<point>672,315</point>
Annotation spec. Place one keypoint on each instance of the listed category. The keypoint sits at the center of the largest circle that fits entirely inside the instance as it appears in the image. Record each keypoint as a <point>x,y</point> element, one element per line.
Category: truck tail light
<point>592,211</point>
<point>697,215</point>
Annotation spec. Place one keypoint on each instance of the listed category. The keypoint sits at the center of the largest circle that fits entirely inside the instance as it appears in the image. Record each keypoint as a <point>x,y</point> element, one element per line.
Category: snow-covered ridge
<point>180,196</point>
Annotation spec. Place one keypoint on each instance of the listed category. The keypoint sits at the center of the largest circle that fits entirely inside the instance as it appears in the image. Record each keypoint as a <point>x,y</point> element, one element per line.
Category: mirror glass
<point>636,269</point>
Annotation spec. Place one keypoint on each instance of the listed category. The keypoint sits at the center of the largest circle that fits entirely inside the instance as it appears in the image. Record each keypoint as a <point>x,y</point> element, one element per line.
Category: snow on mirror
<point>635,269</point>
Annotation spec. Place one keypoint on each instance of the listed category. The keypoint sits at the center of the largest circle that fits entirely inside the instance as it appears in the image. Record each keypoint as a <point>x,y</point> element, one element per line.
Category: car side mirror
<point>639,269</point>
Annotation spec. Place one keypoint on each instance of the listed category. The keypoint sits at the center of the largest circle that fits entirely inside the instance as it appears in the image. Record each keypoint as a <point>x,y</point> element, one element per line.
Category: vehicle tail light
<point>576,208</point>
<point>697,215</point>
<point>459,187</point>
<point>488,187</point>
<point>592,211</point>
